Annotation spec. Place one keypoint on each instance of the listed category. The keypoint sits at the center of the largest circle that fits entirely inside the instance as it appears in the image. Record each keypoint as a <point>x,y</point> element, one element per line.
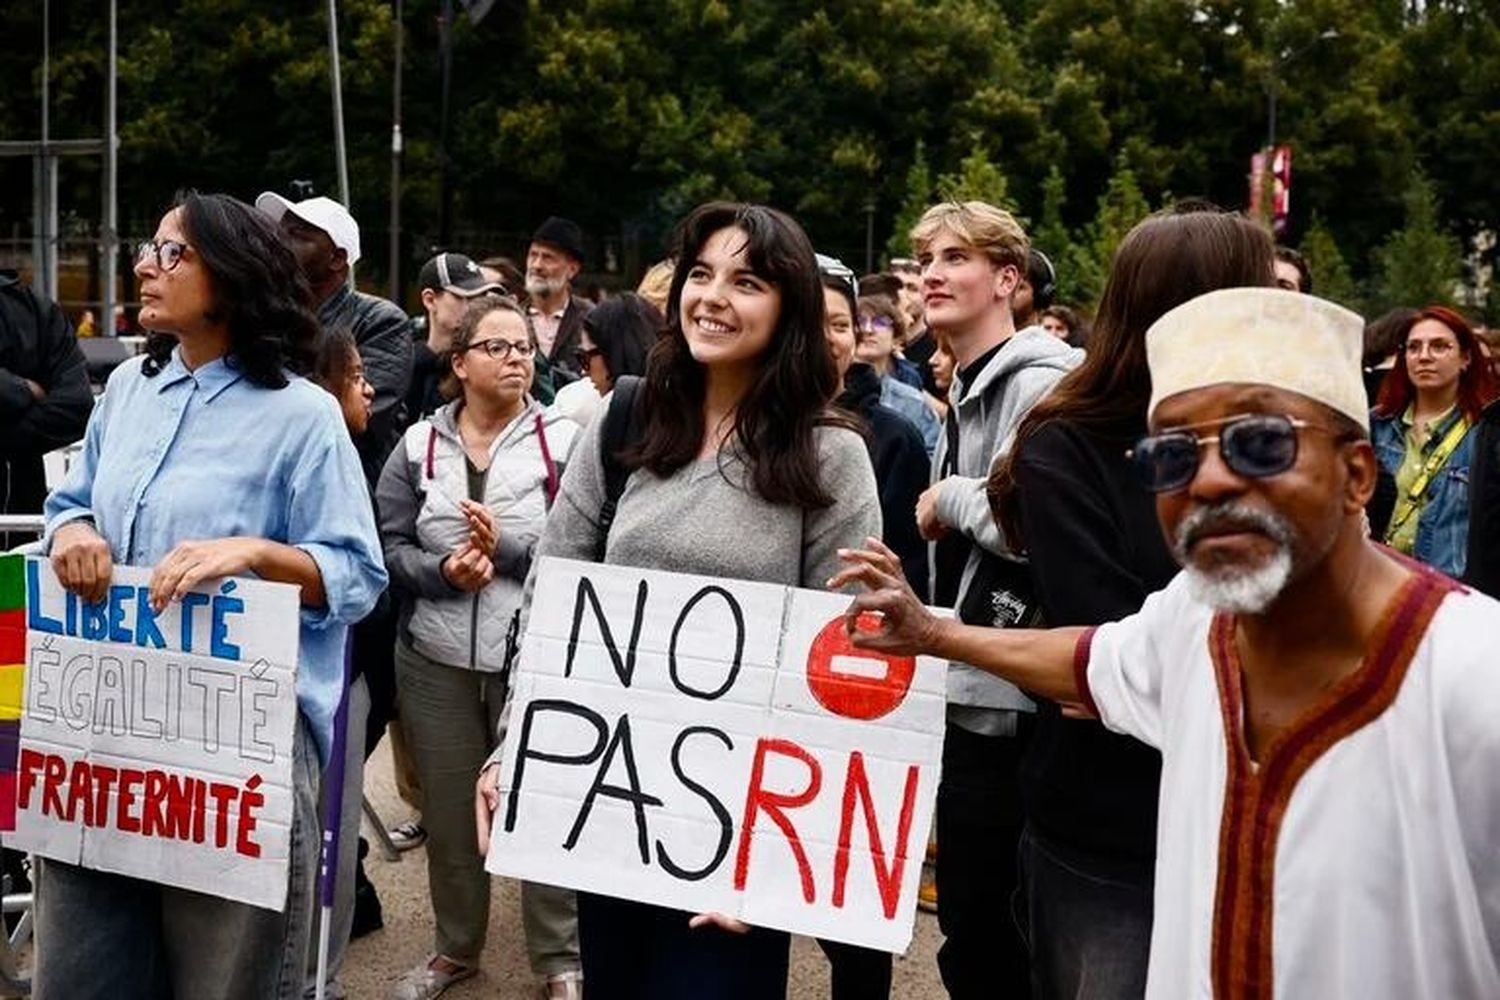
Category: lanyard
<point>1412,501</point>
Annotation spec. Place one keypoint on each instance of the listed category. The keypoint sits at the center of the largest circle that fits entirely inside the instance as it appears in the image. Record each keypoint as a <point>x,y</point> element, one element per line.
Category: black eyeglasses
<point>1252,445</point>
<point>165,254</point>
<point>500,348</point>
<point>584,355</point>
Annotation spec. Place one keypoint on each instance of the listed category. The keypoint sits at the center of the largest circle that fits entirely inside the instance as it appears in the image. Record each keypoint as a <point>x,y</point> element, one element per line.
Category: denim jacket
<point>1443,524</point>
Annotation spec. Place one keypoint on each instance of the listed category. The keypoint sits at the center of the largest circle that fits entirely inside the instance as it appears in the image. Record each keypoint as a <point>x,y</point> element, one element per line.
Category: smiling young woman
<point>735,427</point>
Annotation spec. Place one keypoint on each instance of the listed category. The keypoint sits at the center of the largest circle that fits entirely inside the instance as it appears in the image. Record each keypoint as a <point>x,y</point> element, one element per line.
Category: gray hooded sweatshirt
<point>988,412</point>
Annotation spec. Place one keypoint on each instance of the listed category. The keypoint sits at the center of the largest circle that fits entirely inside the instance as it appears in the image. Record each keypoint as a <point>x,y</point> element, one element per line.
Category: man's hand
<point>81,560</point>
<point>37,392</point>
<point>888,617</point>
<point>928,525</point>
<point>486,801</point>
<point>191,563</point>
<point>468,569</point>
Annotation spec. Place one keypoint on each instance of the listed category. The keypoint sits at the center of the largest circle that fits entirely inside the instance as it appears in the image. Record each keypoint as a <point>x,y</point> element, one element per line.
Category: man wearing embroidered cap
<point>1326,711</point>
<point>325,239</point>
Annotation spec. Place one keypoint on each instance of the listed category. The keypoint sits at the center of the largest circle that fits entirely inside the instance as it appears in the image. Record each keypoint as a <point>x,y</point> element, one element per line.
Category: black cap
<point>453,272</point>
<point>563,234</point>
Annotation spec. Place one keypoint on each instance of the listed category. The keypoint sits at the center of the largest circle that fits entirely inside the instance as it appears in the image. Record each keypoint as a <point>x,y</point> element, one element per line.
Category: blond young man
<point>973,256</point>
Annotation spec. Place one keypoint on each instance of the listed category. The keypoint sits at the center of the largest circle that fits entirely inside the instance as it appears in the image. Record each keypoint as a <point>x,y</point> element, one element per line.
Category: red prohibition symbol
<point>856,695</point>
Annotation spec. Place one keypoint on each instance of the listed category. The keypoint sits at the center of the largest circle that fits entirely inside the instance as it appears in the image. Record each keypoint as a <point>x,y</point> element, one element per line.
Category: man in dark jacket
<point>325,238</point>
<point>45,398</point>
<point>553,260</point>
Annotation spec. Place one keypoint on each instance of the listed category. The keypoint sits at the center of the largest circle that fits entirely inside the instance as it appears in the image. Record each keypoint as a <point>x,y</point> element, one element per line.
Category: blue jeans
<point>1087,921</point>
<point>102,936</point>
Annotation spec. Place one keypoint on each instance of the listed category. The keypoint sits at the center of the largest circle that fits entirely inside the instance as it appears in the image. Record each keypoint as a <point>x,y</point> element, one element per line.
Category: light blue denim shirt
<point>912,405</point>
<point>205,454</point>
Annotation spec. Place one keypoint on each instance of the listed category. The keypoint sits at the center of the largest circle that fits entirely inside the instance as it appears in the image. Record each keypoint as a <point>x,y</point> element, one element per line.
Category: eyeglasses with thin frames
<point>166,254</point>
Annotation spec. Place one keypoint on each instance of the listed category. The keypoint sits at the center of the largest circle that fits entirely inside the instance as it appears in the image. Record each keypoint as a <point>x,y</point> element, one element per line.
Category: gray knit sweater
<point>706,519</point>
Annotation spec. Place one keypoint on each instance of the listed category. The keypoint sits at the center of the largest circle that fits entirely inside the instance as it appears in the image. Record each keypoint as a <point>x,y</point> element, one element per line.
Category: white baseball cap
<point>325,213</point>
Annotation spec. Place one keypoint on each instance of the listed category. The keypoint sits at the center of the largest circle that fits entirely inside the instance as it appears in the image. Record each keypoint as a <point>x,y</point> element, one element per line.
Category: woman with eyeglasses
<point>1423,430</point>
<point>1070,496</point>
<point>736,433</point>
<point>207,457</point>
<point>462,500</point>
<point>879,334</point>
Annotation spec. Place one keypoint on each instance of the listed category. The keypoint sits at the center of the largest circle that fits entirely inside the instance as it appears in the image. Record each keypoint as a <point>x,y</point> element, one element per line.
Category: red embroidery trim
<point>1255,803</point>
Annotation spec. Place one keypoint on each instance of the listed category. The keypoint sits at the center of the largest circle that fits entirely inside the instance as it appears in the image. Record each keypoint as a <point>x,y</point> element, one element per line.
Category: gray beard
<point>1241,592</point>
<point>544,287</point>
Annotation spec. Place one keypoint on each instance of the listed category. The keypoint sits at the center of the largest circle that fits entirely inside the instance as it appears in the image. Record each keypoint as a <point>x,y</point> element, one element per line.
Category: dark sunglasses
<point>1253,446</point>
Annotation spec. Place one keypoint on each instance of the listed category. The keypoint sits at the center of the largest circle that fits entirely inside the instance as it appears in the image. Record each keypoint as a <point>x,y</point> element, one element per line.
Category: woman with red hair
<point>1423,430</point>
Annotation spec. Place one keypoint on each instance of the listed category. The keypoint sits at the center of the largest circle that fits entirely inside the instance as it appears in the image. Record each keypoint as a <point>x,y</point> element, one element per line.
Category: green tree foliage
<point>977,179</point>
<point>623,115</point>
<point>1087,262</point>
<point>1331,277</point>
<point>1420,263</point>
<point>919,195</point>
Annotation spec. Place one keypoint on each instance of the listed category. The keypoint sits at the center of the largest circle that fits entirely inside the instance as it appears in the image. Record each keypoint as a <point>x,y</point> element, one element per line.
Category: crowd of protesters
<point>1207,460</point>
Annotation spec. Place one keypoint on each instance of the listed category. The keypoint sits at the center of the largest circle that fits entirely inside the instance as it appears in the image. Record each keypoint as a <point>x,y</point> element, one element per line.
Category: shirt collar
<point>213,378</point>
<point>532,310</point>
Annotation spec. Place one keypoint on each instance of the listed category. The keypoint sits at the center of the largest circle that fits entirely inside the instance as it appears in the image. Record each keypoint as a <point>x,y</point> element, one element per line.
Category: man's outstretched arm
<point>889,618</point>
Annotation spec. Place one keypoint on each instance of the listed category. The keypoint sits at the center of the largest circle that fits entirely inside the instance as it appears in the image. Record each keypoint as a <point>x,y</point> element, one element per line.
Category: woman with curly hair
<point>209,457</point>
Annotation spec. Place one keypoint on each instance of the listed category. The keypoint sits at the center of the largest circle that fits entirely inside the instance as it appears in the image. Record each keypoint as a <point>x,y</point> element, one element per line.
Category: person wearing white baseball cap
<point>1325,708</point>
<point>325,239</point>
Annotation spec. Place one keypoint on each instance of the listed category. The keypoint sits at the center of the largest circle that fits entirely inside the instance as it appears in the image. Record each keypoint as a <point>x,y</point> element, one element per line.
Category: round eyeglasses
<point>165,254</point>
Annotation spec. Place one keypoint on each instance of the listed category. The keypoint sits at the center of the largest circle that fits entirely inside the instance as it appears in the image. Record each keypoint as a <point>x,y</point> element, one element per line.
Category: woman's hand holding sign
<point>81,560</point>
<point>907,628</point>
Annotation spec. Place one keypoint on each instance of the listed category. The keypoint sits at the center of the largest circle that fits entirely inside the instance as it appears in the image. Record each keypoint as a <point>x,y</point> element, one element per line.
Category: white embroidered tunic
<point>1359,857</point>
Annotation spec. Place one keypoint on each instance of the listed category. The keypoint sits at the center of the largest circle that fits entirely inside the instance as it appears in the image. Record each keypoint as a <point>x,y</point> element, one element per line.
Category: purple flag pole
<point>333,799</point>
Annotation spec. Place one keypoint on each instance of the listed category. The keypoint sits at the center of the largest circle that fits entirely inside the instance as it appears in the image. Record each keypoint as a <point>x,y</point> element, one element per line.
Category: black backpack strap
<point>619,432</point>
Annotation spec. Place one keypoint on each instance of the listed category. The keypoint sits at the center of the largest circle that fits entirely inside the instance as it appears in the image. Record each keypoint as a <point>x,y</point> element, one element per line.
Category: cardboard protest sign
<point>154,745</point>
<point>718,745</point>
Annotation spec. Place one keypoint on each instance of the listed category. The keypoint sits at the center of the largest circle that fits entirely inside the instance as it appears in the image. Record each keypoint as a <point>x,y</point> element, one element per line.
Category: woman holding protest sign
<point>731,426</point>
<point>207,457</point>
<point>462,500</point>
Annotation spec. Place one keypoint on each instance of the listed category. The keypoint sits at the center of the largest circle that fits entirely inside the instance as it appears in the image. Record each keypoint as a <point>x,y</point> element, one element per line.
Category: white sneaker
<point>427,980</point>
<point>564,986</point>
<point>408,835</point>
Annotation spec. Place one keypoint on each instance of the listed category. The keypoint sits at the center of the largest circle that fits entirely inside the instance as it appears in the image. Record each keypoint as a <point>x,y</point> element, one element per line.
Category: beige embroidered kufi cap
<point>1264,336</point>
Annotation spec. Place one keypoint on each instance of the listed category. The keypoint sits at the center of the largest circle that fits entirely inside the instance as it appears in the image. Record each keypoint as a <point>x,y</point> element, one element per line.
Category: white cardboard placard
<point>716,745</point>
<point>160,746</point>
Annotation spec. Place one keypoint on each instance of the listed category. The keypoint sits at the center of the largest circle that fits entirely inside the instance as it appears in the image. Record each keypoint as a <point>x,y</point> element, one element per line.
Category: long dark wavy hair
<point>791,394</point>
<point>1167,259</point>
<point>258,289</point>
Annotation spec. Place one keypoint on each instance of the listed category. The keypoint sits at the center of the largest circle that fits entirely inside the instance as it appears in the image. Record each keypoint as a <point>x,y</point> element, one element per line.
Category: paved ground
<point>377,959</point>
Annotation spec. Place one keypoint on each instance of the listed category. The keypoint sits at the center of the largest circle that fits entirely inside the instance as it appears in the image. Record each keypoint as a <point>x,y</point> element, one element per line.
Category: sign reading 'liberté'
<point>718,745</point>
<point>154,744</point>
